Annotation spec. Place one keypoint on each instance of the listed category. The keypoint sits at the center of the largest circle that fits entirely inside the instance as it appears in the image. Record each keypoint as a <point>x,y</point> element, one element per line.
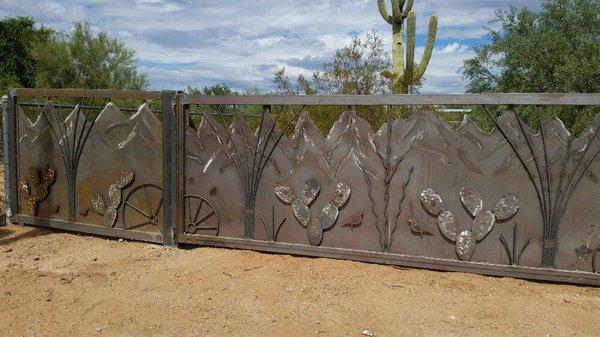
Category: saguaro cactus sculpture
<point>405,72</point>
<point>41,187</point>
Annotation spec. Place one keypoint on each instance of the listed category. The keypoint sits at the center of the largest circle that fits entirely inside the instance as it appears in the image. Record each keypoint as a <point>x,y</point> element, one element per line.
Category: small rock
<point>121,240</point>
<point>98,329</point>
<point>8,250</point>
<point>368,333</point>
<point>7,293</point>
<point>452,317</point>
<point>36,258</point>
<point>95,259</point>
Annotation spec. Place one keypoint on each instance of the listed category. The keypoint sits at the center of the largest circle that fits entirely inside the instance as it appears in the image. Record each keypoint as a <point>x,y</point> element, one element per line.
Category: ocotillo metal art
<point>405,72</point>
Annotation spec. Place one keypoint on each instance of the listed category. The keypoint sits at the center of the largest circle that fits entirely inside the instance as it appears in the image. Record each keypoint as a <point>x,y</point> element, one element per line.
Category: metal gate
<point>235,172</point>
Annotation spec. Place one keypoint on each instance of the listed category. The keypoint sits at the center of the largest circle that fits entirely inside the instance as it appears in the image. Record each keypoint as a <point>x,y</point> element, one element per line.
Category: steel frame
<point>175,110</point>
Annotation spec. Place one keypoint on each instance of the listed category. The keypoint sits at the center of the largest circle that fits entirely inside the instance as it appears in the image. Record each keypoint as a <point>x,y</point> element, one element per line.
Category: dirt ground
<point>61,284</point>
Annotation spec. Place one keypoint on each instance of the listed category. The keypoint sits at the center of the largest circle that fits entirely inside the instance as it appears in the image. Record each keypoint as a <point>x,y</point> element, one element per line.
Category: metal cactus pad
<point>483,220</point>
<point>300,206</point>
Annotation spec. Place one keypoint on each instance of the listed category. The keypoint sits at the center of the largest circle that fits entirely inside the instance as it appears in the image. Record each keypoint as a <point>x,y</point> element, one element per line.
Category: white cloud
<point>241,42</point>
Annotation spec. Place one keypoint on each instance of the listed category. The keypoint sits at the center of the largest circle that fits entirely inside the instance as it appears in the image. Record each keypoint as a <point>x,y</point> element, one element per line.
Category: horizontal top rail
<point>88,93</point>
<point>435,99</point>
<point>458,99</point>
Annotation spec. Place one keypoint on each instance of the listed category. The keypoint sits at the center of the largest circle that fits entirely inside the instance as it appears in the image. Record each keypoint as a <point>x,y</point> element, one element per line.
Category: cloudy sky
<point>242,43</point>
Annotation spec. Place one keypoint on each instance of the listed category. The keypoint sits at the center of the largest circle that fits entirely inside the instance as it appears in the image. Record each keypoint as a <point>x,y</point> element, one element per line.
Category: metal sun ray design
<point>201,215</point>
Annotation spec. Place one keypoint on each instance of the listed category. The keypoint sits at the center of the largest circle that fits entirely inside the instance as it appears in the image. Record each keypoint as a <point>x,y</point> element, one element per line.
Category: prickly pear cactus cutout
<point>483,220</point>
<point>114,198</point>
<point>301,202</point>
<point>41,187</point>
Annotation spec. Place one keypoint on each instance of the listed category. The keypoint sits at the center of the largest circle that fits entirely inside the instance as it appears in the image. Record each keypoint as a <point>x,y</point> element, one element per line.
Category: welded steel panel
<point>486,200</point>
<point>108,169</point>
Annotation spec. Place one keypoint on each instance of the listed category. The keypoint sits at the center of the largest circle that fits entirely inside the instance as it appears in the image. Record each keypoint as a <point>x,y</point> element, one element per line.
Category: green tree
<point>554,50</point>
<point>215,90</point>
<point>17,39</point>
<point>355,69</point>
<point>80,59</point>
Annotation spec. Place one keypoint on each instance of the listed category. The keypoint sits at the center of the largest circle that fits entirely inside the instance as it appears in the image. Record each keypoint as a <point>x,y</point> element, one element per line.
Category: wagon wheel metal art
<point>143,202</point>
<point>200,214</point>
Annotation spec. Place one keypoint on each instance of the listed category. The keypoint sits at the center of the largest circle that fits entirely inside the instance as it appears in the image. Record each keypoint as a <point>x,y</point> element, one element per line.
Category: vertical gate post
<point>168,112</point>
<point>10,154</point>
<point>181,119</point>
<point>174,108</point>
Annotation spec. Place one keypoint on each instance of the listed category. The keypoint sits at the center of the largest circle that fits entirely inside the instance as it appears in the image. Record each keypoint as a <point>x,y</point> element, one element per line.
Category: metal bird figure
<point>354,221</point>
<point>419,228</point>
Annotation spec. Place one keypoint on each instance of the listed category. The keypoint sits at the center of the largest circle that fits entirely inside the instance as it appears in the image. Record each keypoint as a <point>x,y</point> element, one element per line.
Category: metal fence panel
<point>415,192</point>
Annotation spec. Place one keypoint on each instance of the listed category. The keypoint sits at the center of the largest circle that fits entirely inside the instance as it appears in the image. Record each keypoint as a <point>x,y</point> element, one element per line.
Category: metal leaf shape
<point>301,211</point>
<point>328,216</point>
<point>314,231</point>
<point>311,190</point>
<point>507,207</point>
<point>285,192</point>
<point>110,216</point>
<point>465,245</point>
<point>432,201</point>
<point>114,196</point>
<point>471,199</point>
<point>341,194</point>
<point>483,224</point>
<point>447,225</point>
<point>124,179</point>
<point>98,203</point>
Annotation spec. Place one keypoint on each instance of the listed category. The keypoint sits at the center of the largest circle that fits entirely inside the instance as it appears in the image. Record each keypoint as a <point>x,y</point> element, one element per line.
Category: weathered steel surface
<point>413,193</point>
<point>108,169</point>
<point>477,175</point>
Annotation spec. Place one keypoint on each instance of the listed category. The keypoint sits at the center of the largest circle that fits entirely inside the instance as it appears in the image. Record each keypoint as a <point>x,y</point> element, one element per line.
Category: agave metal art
<point>301,202</point>
<point>250,154</point>
<point>483,221</point>
<point>514,254</point>
<point>70,136</point>
<point>553,191</point>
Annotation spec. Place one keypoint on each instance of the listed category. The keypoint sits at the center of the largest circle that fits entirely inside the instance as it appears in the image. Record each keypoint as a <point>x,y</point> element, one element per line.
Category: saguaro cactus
<point>41,187</point>
<point>405,72</point>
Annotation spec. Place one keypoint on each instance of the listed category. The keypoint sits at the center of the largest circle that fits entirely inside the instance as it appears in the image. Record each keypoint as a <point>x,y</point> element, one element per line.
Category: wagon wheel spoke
<point>138,210</point>
<point>197,210</point>
<point>148,203</point>
<point>204,218</point>
<point>189,214</point>
<point>140,224</point>
<point>160,202</point>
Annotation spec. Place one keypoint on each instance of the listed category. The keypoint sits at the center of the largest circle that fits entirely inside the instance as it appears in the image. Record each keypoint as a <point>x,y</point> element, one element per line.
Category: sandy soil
<point>60,284</point>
